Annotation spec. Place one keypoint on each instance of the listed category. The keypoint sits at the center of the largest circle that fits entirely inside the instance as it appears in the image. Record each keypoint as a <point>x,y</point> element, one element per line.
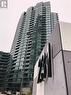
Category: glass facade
<point>32,32</point>
<point>5,60</point>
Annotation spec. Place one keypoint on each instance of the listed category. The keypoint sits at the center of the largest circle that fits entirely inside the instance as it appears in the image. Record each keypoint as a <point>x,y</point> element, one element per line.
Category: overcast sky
<point>9,17</point>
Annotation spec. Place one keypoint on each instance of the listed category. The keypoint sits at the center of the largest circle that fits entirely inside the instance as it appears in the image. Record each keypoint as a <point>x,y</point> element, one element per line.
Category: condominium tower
<point>34,27</point>
<point>5,60</point>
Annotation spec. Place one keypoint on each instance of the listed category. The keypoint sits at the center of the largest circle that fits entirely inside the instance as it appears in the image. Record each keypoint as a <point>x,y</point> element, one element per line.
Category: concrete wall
<point>65,29</point>
<point>56,85</point>
<point>55,40</point>
<point>67,61</point>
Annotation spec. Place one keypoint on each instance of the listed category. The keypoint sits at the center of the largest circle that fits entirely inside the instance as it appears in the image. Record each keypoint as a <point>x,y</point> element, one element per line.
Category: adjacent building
<point>5,59</point>
<point>52,72</point>
<point>34,27</point>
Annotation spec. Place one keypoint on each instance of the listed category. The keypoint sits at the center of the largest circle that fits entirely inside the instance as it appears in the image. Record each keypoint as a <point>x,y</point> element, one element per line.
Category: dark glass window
<point>49,61</point>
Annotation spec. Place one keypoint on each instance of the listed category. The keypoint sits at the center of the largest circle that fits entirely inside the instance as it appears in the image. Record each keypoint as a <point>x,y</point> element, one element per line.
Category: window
<point>22,59</point>
<point>15,56</point>
<point>21,63</point>
<point>21,67</point>
<point>16,68</point>
<point>17,64</point>
<point>49,61</point>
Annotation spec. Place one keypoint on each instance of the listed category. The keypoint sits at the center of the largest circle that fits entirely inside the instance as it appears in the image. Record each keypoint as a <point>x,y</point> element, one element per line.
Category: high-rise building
<point>5,59</point>
<point>33,30</point>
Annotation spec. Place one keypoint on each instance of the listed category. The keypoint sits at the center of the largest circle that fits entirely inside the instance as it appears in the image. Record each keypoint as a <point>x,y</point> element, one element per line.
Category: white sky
<point>9,17</point>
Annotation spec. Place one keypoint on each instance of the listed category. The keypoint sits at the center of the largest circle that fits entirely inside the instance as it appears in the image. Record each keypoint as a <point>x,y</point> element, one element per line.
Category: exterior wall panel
<point>56,85</point>
<point>67,61</point>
